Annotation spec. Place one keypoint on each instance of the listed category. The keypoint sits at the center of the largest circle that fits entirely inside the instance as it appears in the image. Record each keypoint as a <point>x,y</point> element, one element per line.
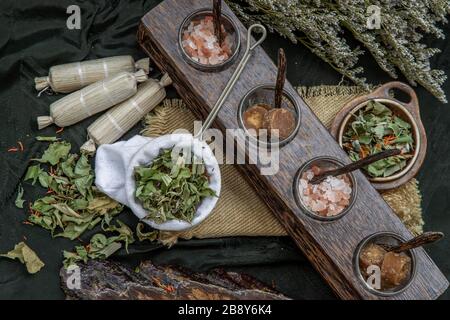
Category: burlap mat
<point>240,211</point>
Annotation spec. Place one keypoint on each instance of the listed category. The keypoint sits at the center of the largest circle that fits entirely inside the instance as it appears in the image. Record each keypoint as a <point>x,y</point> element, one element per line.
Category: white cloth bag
<point>114,173</point>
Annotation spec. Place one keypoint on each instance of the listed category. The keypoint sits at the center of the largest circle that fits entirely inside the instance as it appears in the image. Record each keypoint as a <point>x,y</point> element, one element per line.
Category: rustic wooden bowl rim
<point>359,275</point>
<point>205,67</point>
<point>298,198</point>
<point>391,104</point>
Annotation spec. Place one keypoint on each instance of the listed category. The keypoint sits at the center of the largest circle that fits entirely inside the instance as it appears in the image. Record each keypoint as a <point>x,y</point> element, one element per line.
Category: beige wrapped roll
<point>117,121</point>
<point>95,98</point>
<point>69,77</point>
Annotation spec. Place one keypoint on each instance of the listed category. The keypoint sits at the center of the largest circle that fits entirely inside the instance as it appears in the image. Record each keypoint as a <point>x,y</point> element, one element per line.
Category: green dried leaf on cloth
<point>27,256</point>
<point>101,246</point>
<point>46,139</point>
<point>19,199</point>
<point>33,173</point>
<point>142,236</point>
<point>55,152</point>
<point>72,204</point>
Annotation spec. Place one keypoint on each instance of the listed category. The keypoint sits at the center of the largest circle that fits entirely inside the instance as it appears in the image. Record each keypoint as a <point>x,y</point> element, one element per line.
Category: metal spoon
<point>226,91</point>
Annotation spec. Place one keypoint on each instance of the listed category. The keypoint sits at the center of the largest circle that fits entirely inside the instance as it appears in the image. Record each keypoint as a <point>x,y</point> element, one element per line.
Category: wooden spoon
<point>355,165</point>
<point>281,78</point>
<point>217,13</point>
<point>423,239</point>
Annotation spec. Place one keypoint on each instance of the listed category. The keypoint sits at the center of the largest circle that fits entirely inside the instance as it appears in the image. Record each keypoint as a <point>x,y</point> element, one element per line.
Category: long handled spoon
<point>281,78</point>
<point>355,165</point>
<point>419,241</point>
<point>234,78</point>
<point>217,12</point>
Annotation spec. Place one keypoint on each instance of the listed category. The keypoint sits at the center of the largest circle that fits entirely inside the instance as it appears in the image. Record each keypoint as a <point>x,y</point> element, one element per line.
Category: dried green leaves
<point>72,204</point>
<point>169,190</point>
<point>47,138</point>
<point>374,129</point>
<point>25,255</point>
<point>19,199</point>
<point>142,236</point>
<point>55,152</point>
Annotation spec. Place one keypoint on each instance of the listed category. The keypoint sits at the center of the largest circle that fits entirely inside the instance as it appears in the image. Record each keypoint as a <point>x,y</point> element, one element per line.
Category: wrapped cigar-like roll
<point>69,77</point>
<point>117,121</point>
<point>95,98</point>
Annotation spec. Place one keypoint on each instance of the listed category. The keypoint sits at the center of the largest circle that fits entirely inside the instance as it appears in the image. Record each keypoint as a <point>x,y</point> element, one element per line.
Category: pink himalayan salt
<point>202,45</point>
<point>328,198</point>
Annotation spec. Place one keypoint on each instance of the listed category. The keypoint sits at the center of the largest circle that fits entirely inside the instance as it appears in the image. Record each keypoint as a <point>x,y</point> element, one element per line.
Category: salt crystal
<point>200,37</point>
<point>328,198</point>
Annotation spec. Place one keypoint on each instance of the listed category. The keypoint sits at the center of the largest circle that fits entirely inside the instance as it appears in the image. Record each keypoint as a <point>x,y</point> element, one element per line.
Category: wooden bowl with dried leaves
<point>371,123</point>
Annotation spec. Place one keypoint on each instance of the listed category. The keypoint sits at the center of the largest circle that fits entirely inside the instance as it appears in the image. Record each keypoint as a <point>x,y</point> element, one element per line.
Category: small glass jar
<point>265,94</point>
<point>324,163</point>
<point>388,238</point>
<point>231,28</point>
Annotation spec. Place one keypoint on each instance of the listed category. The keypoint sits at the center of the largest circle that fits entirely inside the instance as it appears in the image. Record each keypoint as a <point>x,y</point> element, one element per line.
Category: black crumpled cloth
<point>34,37</point>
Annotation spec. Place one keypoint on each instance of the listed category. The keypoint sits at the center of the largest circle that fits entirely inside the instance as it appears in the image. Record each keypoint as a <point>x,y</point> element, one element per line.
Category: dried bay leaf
<point>55,152</point>
<point>142,236</point>
<point>27,256</point>
<point>19,199</point>
<point>47,139</point>
<point>73,205</point>
<point>33,173</point>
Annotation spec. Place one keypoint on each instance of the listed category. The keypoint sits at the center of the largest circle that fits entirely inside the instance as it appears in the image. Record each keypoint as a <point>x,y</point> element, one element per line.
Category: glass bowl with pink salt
<point>329,199</point>
<point>200,46</point>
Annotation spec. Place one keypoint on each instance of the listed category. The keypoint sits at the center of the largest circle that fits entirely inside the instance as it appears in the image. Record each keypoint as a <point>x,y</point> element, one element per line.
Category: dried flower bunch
<point>396,46</point>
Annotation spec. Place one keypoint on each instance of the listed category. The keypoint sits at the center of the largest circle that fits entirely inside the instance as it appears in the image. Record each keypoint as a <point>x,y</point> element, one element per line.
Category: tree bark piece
<point>107,280</point>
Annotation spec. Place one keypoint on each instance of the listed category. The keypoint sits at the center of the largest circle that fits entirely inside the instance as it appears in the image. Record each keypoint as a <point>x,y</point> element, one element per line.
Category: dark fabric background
<point>33,37</point>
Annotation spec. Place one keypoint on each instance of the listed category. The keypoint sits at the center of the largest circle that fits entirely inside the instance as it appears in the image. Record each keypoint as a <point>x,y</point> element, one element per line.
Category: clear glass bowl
<point>329,163</point>
<point>265,94</point>
<point>230,27</point>
<point>389,238</point>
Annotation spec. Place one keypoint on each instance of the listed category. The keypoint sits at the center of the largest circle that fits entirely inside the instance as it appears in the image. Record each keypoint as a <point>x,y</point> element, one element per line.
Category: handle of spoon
<point>281,78</point>
<point>229,86</point>
<point>423,239</point>
<point>217,12</point>
<point>356,165</point>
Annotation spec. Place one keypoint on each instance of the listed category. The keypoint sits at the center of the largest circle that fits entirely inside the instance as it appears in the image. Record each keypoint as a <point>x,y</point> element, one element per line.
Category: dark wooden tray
<point>330,246</point>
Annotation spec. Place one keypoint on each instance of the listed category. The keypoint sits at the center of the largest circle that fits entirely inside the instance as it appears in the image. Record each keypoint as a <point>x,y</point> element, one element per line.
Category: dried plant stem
<point>396,45</point>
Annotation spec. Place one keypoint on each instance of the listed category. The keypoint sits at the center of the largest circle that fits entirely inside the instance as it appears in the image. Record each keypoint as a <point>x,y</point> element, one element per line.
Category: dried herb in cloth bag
<point>116,122</point>
<point>95,98</point>
<point>66,78</point>
<point>169,190</point>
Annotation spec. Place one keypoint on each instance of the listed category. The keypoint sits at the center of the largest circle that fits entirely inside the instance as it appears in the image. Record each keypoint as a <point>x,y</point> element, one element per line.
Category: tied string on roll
<point>116,122</point>
<point>92,99</point>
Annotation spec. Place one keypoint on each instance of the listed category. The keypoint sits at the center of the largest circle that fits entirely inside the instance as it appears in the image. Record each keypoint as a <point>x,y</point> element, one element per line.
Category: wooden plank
<point>330,246</point>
